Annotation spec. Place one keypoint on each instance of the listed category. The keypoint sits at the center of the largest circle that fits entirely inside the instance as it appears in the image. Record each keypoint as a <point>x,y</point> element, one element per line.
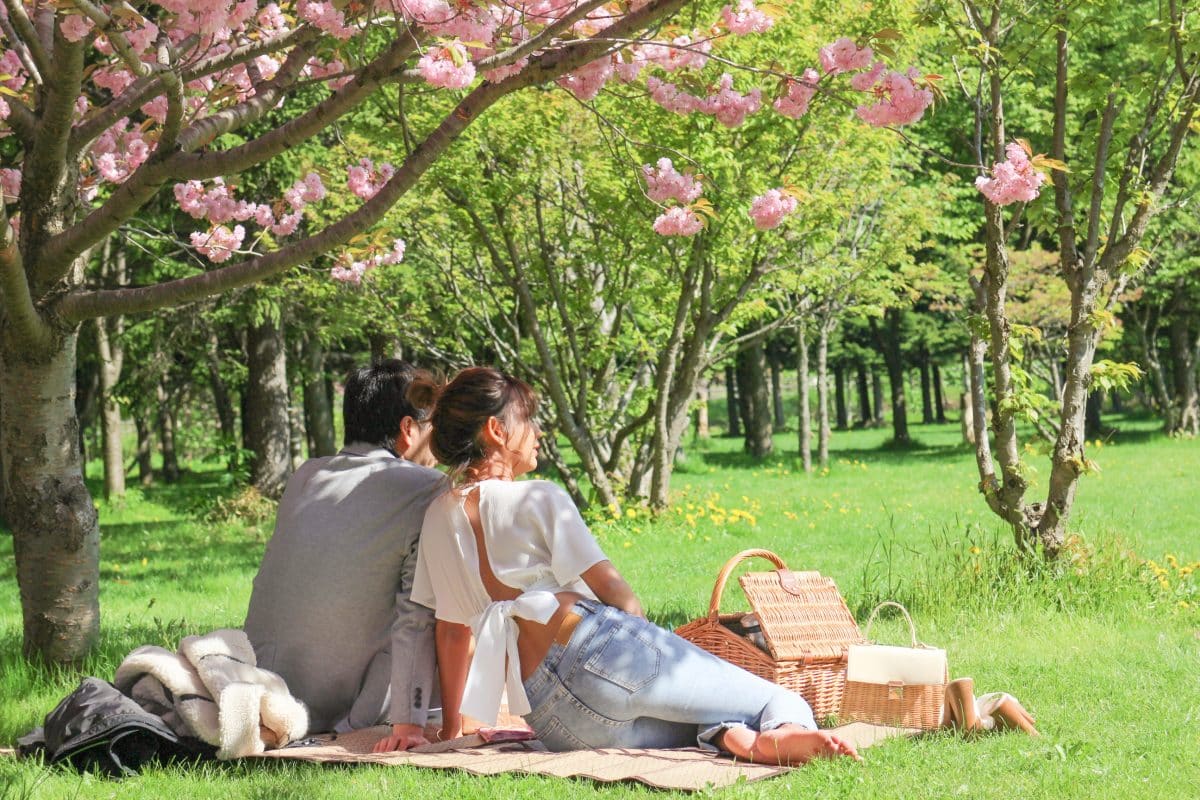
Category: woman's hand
<point>612,589</point>
<point>402,737</point>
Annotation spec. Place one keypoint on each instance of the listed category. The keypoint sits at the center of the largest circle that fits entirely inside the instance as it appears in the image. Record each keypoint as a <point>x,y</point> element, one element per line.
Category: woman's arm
<point>611,589</point>
<point>453,643</point>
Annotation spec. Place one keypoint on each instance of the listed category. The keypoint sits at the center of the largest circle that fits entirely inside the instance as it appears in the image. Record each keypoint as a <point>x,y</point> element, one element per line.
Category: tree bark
<point>266,421</point>
<point>823,397</point>
<point>777,394</point>
<point>755,399</point>
<point>864,397</point>
<point>318,410</point>
<point>939,399</point>
<point>732,402</point>
<point>56,535</point>
<point>805,421</point>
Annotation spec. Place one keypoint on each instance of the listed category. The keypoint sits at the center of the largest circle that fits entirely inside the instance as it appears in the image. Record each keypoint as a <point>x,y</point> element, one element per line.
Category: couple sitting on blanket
<point>344,606</point>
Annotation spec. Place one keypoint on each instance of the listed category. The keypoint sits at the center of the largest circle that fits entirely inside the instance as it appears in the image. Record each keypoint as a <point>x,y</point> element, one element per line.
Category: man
<point>330,610</point>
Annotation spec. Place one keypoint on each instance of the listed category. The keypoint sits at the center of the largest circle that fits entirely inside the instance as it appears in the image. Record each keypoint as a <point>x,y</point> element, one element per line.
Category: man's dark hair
<point>377,400</point>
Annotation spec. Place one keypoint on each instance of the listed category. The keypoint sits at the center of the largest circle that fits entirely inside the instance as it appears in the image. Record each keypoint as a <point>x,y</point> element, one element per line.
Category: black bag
<point>96,727</point>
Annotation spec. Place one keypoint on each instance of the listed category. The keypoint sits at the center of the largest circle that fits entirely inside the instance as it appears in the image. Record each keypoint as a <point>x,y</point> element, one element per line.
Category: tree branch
<point>27,323</point>
<point>1111,110</point>
<point>27,35</point>
<point>1068,252</point>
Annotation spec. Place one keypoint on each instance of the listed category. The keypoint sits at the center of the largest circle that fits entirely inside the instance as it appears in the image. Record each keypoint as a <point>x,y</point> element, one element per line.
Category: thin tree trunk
<point>732,402</point>
<point>777,394</point>
<point>110,354</point>
<point>1093,422</point>
<point>166,436</point>
<point>318,410</point>
<point>888,340</point>
<point>805,421</point>
<point>864,397</point>
<point>823,397</point>
<point>877,396</point>
<point>56,535</point>
<point>926,392</point>
<point>939,399</point>
<point>700,429</point>
<point>755,400</point>
<point>1187,398</point>
<point>296,434</point>
<point>839,397</point>
<point>266,420</point>
<point>220,390</point>
<point>144,450</point>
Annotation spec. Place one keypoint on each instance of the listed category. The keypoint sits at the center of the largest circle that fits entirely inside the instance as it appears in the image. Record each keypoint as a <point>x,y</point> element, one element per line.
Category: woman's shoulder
<point>528,490</point>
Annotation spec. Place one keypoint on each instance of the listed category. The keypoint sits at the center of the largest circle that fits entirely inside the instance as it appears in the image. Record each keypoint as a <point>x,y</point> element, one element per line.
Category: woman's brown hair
<point>464,406</point>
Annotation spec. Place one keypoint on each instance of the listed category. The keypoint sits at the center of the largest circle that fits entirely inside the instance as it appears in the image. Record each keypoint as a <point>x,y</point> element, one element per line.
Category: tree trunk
<point>296,435</point>
<point>220,391</point>
<point>166,436</point>
<point>318,410</point>
<point>1093,423</point>
<point>864,397</point>
<point>56,535</point>
<point>839,397</point>
<point>700,415</point>
<point>755,399</point>
<point>888,340</point>
<point>926,392</point>
<point>777,394</point>
<point>266,420</point>
<point>877,396</point>
<point>144,450</point>
<point>1187,401</point>
<point>939,399</point>
<point>805,421</point>
<point>110,354</point>
<point>732,402</point>
<point>823,397</point>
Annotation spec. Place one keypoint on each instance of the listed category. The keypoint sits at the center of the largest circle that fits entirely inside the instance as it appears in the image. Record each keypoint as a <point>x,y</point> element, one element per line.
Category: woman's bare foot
<point>787,744</point>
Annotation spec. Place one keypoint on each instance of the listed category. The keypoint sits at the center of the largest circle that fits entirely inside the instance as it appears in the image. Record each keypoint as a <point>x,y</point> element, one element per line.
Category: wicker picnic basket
<point>807,626</point>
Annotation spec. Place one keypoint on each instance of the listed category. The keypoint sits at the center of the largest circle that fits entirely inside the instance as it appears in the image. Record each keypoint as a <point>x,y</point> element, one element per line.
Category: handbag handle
<point>912,629</point>
<point>727,570</point>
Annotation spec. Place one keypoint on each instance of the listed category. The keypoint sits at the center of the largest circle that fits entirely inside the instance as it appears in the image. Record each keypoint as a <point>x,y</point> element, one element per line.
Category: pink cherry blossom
<point>587,81</point>
<point>5,111</point>
<point>678,221</point>
<point>898,100</point>
<point>630,65</point>
<point>447,67</point>
<point>671,97</point>
<point>220,243</point>
<point>74,27</point>
<point>1013,180</point>
<point>794,103</point>
<point>748,18</point>
<point>115,79</point>
<point>682,52</point>
<point>10,184</point>
<point>844,56</point>
<point>354,271</point>
<point>365,181</point>
<point>141,38</point>
<point>287,224</point>
<point>157,109</point>
<point>664,183</point>
<point>768,210</point>
<point>325,16</point>
<point>729,106</point>
<point>10,64</point>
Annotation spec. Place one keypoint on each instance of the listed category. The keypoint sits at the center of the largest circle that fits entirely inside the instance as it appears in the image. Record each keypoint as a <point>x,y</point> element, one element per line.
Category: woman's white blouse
<point>536,542</point>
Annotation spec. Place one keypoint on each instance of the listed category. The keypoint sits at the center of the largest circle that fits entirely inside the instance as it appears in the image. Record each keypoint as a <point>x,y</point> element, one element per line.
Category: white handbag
<point>904,687</point>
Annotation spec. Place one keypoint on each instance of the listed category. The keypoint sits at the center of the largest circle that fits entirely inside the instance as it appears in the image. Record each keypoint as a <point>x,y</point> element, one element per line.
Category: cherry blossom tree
<point>106,106</point>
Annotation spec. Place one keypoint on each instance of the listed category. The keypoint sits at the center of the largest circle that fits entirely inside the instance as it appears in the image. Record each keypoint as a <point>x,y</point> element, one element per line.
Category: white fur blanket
<point>213,690</point>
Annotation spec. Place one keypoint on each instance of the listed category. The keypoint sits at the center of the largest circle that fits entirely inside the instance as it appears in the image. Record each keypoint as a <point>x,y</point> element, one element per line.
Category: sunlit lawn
<point>1107,659</point>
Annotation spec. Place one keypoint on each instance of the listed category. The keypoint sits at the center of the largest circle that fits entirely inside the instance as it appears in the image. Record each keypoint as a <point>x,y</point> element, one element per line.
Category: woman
<point>554,621</point>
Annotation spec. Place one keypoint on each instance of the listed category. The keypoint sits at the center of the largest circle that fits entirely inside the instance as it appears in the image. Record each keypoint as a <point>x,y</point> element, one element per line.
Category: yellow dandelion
<point>631,513</point>
<point>628,543</point>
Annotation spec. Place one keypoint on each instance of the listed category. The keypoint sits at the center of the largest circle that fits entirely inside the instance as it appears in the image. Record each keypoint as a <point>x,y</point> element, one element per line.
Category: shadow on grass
<point>889,453</point>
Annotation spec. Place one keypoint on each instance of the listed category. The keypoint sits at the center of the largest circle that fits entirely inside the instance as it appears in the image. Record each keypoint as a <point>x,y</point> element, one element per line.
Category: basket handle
<point>727,570</point>
<point>912,629</point>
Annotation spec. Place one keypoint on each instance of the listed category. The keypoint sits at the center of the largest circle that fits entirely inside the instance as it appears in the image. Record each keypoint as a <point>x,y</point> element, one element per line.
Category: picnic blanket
<point>686,769</point>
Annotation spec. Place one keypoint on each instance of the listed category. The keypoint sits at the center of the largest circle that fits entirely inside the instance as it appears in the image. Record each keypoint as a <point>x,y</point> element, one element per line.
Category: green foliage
<point>1109,375</point>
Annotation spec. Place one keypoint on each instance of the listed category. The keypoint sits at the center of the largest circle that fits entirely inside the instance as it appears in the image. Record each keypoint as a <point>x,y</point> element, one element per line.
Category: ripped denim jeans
<point>624,682</point>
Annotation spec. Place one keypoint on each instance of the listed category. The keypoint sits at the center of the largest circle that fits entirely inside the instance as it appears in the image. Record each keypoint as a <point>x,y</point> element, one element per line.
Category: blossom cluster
<point>365,180</point>
<point>352,271</point>
<point>768,210</point>
<point>729,106</point>
<point>747,18</point>
<point>665,184</point>
<point>1014,180</point>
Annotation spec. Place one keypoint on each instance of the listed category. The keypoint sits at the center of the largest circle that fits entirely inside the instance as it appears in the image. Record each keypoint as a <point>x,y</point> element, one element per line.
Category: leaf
<point>888,33</point>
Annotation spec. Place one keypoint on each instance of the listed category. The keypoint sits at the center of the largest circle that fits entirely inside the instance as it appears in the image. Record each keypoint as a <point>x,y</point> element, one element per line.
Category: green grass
<point>1105,657</point>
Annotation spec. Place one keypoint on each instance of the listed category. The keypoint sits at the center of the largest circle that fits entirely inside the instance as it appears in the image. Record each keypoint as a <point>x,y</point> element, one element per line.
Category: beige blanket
<point>688,769</point>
